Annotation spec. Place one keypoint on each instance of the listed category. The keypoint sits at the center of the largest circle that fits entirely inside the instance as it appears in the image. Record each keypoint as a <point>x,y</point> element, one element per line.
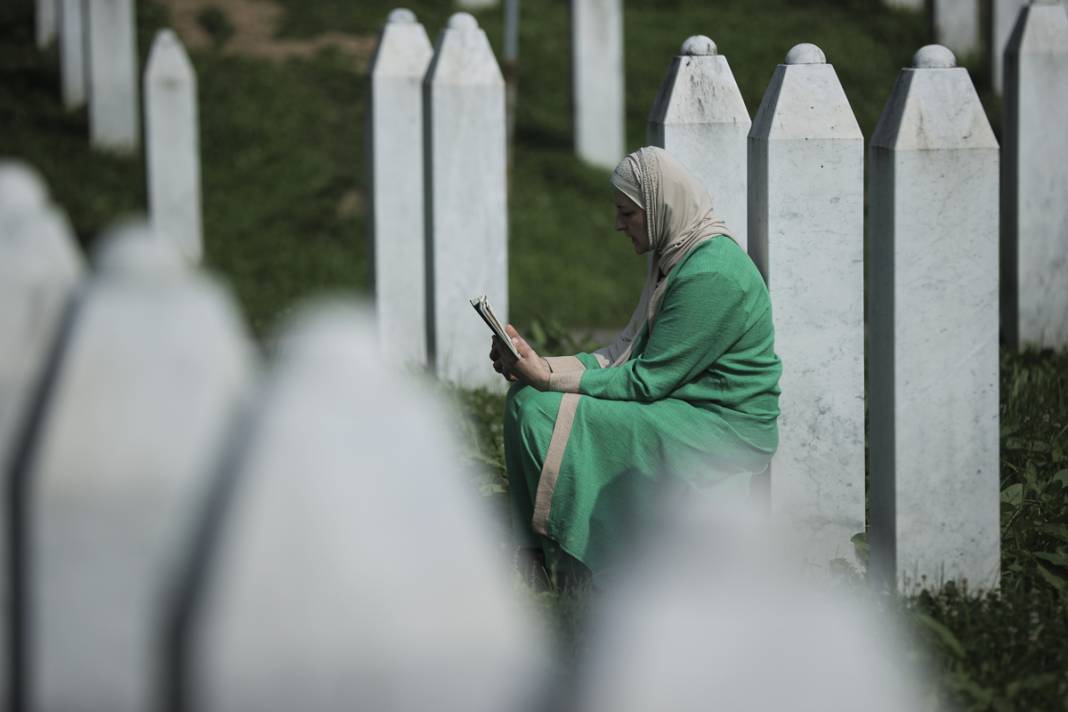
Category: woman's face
<point>631,220</point>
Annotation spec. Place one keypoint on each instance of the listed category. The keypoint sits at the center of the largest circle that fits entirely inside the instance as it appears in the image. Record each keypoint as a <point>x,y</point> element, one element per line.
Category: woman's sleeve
<point>700,319</point>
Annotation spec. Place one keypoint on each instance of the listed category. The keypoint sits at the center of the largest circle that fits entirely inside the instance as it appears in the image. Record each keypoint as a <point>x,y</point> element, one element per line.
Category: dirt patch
<point>255,24</point>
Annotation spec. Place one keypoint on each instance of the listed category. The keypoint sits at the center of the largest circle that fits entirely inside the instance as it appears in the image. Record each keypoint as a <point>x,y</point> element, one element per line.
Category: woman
<point>688,393</point>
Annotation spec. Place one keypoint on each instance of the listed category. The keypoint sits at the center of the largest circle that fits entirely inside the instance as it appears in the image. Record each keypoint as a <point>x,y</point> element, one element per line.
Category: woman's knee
<point>527,408</point>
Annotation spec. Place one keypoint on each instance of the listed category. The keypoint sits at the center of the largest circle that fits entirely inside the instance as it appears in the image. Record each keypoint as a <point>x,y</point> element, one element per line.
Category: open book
<point>482,306</point>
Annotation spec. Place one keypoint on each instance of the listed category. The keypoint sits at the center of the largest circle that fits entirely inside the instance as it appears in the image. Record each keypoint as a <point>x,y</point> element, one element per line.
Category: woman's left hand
<point>529,368</point>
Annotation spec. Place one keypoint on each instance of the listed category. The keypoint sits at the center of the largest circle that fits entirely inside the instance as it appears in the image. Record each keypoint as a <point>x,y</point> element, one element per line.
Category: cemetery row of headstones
<point>959,25</point>
<point>193,529</point>
<point>98,63</point>
<point>793,184</point>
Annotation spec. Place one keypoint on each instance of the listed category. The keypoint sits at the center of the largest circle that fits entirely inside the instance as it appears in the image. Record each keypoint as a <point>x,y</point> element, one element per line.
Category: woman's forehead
<point>622,201</point>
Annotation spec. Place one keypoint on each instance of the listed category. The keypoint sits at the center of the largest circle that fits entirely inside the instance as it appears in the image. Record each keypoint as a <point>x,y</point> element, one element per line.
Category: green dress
<point>696,404</point>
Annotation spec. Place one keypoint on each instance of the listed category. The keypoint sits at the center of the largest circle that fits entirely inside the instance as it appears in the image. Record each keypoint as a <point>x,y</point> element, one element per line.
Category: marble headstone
<point>114,105</point>
<point>699,117</point>
<point>1034,180</point>
<point>72,53</point>
<point>39,267</point>
<point>710,617</point>
<point>1003,16</point>
<point>156,363</point>
<point>46,20</point>
<point>597,80</point>
<point>466,201</point>
<point>173,146</point>
<point>395,164</point>
<point>933,332</point>
<point>349,569</point>
<point>957,26</point>
<point>806,218</point>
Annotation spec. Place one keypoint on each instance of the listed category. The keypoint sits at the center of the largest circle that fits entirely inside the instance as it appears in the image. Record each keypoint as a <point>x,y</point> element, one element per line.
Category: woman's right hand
<point>502,359</point>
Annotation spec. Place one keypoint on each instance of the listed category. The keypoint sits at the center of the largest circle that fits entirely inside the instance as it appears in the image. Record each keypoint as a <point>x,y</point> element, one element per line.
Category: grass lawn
<point>284,217</point>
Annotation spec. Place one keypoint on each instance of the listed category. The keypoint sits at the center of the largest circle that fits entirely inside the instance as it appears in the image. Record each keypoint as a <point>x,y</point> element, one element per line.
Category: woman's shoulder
<point>720,256</point>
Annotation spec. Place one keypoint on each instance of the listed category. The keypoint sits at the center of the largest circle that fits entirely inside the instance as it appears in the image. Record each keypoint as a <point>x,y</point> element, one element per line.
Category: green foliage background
<point>283,182</point>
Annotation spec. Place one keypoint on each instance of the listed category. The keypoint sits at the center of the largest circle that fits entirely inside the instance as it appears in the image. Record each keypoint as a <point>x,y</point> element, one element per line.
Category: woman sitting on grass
<point>687,394</point>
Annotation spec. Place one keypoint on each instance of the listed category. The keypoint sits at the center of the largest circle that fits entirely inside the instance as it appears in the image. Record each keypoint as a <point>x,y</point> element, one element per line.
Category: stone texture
<point>114,109</point>
<point>395,164</point>
<point>714,616</point>
<point>72,53</point>
<point>806,218</point>
<point>46,21</point>
<point>957,26</point>
<point>933,326</point>
<point>699,116</point>
<point>1003,16</point>
<point>467,223</point>
<point>597,80</point>
<point>173,146</point>
<point>39,267</point>
<point>154,367</point>
<point>1034,181</point>
<point>347,565</point>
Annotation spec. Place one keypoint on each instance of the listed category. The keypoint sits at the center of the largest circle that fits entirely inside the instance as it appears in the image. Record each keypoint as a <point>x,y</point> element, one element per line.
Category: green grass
<point>282,160</point>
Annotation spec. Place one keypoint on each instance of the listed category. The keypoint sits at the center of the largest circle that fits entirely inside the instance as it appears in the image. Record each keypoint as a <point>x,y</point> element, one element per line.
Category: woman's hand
<point>529,368</point>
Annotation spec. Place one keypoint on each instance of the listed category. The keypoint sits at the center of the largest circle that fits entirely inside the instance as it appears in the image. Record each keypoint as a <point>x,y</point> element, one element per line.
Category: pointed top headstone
<point>699,45</point>
<point>934,56</point>
<point>401,15</point>
<point>21,188</point>
<point>805,53</point>
<point>168,60</point>
<point>131,251</point>
<point>933,105</point>
<point>463,21</point>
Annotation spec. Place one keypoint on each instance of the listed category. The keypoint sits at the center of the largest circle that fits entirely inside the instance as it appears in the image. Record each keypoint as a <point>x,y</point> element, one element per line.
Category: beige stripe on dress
<point>554,456</point>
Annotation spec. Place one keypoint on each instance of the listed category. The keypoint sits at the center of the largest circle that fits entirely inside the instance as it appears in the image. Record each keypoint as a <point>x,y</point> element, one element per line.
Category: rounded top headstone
<point>463,21</point>
<point>21,187</point>
<point>699,45</point>
<point>934,56</point>
<point>402,15</point>
<point>130,249</point>
<point>166,35</point>
<point>805,53</point>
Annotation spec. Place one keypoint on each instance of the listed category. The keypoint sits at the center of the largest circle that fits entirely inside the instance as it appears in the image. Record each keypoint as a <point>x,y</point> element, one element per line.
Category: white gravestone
<point>806,220</point>
<point>1034,180</point>
<point>72,53</point>
<point>1003,16</point>
<point>156,363</point>
<point>956,25</point>
<point>114,109</point>
<point>699,117</point>
<point>46,18</point>
<point>597,80</point>
<point>349,569</point>
<point>173,146</point>
<point>39,267</point>
<point>711,615</point>
<point>466,205</point>
<point>933,325</point>
<point>395,162</point>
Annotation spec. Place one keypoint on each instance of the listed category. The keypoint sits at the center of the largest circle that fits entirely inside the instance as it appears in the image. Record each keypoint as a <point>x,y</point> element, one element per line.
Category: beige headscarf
<point>678,218</point>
